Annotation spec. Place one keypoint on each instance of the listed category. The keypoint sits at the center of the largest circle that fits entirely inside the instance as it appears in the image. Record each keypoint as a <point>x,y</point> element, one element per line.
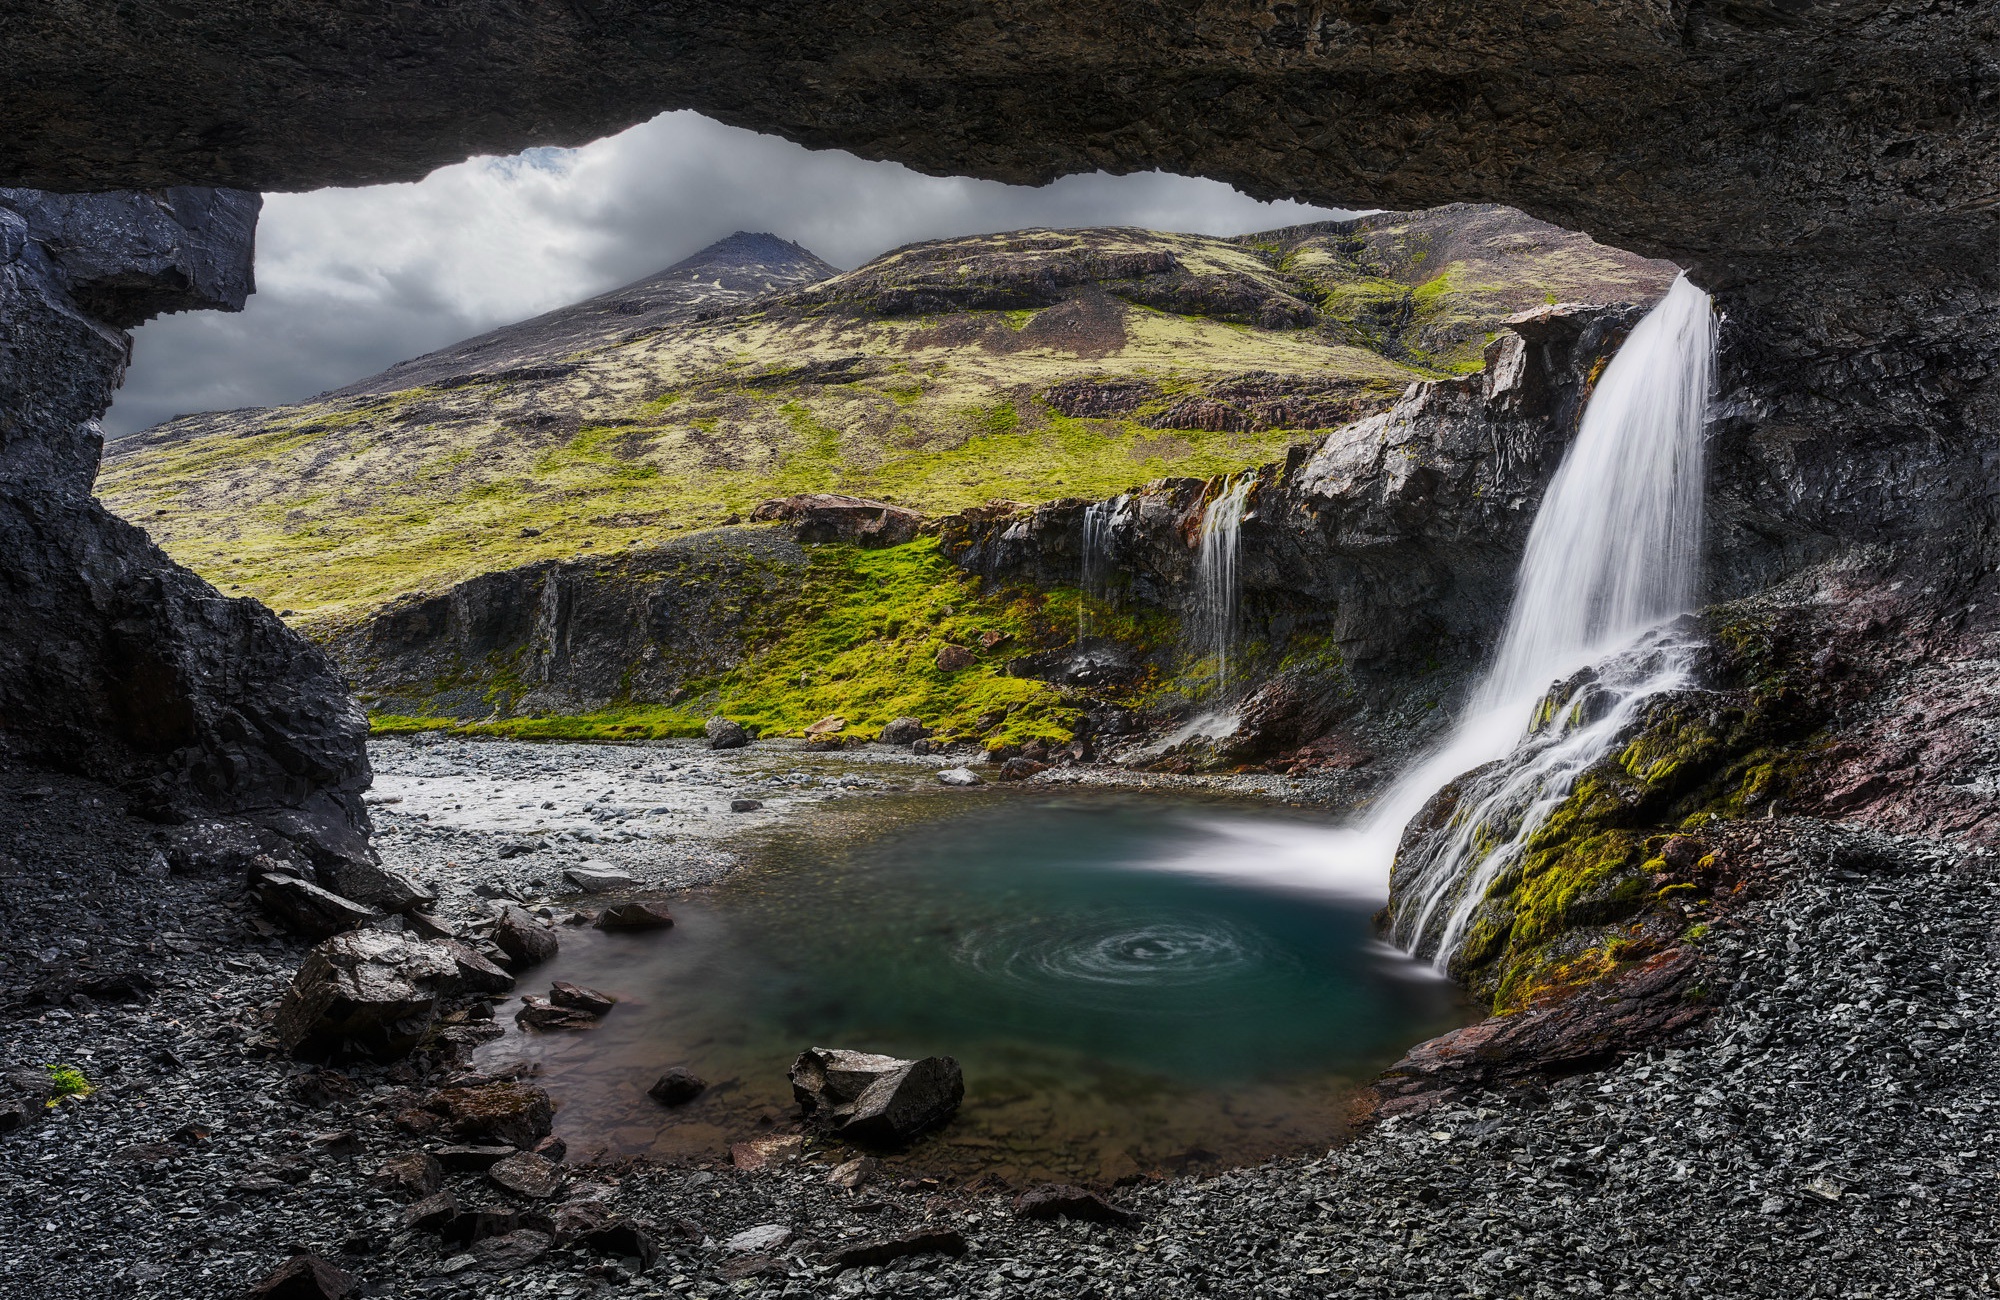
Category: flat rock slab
<point>540,1013</point>
<point>759,1152</point>
<point>305,908</point>
<point>883,1250</point>
<point>518,1114</point>
<point>763,1238</point>
<point>418,1174</point>
<point>471,1159</point>
<point>527,1174</point>
<point>599,878</point>
<point>959,776</point>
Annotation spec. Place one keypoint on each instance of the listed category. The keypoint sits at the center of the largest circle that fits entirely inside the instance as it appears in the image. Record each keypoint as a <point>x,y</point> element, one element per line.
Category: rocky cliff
<point>114,661</point>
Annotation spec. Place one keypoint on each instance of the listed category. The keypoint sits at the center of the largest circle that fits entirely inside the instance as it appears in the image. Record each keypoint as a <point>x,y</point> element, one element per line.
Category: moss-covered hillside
<point>1025,366</point>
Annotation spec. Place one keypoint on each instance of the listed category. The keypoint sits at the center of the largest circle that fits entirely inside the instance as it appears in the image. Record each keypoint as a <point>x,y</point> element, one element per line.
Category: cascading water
<point>1217,588</point>
<point>1098,518</point>
<point>1612,555</point>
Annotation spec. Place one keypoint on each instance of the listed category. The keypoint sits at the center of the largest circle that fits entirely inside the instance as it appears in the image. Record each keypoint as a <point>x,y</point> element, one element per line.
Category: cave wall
<point>115,661</point>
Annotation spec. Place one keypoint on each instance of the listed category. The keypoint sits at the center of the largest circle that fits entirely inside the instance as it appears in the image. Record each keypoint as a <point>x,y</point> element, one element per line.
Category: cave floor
<point>1831,1131</point>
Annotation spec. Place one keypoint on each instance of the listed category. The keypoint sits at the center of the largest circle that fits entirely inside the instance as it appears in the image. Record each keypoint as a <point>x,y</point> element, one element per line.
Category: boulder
<point>519,1114</point>
<point>526,941</point>
<point>677,1087</point>
<point>526,1174</point>
<point>829,517</point>
<point>1061,1201</point>
<point>878,1100</point>
<point>417,1175</point>
<point>961,776</point>
<point>578,998</point>
<point>635,916</point>
<point>431,1213</point>
<point>1021,768</point>
<point>724,734</point>
<point>305,908</point>
<point>366,993</point>
<point>746,805</point>
<point>904,731</point>
<point>304,1277</point>
<point>952,658</point>
<point>513,1250</point>
<point>355,875</point>
<point>598,878</point>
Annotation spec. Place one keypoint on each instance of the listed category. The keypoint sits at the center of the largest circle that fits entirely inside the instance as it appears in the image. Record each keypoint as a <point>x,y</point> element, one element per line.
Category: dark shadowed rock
<point>724,734</point>
<point>525,940</point>
<point>878,1100</point>
<point>513,1250</point>
<point>471,1158</point>
<point>883,1250</point>
<point>1060,1201</point>
<point>476,974</point>
<point>677,1087</point>
<point>431,1213</point>
<point>540,1013</point>
<point>359,877</point>
<point>635,916</point>
<point>305,908</point>
<point>829,517</point>
<point>904,731</point>
<point>953,658</point>
<point>418,1174</point>
<point>368,993</point>
<point>304,1277</point>
<point>516,1113</point>
<point>1021,768</point>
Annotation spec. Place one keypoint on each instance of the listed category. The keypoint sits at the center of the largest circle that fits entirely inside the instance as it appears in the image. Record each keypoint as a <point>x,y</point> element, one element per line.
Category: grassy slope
<point>327,510</point>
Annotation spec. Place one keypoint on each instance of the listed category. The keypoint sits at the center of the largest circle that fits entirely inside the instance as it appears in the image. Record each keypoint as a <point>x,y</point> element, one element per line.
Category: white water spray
<point>1217,586</point>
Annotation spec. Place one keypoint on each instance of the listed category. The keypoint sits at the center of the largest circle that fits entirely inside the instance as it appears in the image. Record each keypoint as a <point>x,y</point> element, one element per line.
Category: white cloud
<point>350,281</point>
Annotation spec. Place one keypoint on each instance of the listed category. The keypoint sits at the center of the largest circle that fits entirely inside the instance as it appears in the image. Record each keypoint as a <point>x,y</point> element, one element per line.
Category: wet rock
<point>759,1153</point>
<point>540,1013</point>
<point>829,517</point>
<point>1020,769</point>
<point>367,993</point>
<point>746,805</point>
<point>526,1174</point>
<point>526,941</point>
<point>635,916</point>
<point>725,734</point>
<point>883,1250</point>
<point>878,1100</point>
<point>954,658</point>
<point>1060,1201</point>
<point>519,1114</point>
<point>307,909</point>
<point>959,776</point>
<point>475,973</point>
<point>904,731</point>
<point>677,1087</point>
<point>418,1174</point>
<point>598,878</point>
<point>304,1277</point>
<point>579,998</point>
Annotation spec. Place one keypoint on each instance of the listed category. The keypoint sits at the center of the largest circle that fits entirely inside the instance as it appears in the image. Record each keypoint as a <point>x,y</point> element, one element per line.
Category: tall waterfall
<point>1217,587</point>
<point>1612,555</point>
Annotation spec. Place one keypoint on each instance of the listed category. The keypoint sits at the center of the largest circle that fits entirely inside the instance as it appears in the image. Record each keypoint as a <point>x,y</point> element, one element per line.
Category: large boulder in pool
<point>372,993</point>
<point>875,1100</point>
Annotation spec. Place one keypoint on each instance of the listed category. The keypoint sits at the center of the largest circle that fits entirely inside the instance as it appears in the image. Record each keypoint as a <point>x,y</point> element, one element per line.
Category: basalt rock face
<point>115,661</point>
<point>1389,546</point>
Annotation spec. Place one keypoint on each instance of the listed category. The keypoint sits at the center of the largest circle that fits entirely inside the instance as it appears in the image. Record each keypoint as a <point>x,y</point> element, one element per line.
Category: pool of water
<point>1121,1000</point>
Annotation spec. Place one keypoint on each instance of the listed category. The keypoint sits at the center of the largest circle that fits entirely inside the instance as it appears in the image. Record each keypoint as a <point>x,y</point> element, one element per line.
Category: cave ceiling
<point>1724,133</point>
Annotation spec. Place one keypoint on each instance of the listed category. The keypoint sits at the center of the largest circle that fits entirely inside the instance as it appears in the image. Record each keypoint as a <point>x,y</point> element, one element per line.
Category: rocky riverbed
<point>1830,1131</point>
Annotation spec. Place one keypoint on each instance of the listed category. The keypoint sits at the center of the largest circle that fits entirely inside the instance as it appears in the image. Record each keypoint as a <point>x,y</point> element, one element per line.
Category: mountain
<point>1029,365</point>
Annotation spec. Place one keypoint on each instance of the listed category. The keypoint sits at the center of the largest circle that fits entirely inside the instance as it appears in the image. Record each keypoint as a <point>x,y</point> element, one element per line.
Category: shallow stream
<point>1120,1000</point>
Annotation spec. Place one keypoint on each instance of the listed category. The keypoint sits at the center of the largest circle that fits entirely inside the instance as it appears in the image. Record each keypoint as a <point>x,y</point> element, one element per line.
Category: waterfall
<point>1612,555</point>
<point>1098,517</point>
<point>1217,587</point>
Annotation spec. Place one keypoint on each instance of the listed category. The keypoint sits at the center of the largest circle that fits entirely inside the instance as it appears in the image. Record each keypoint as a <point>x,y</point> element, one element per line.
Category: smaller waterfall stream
<point>1217,585</point>
<point>1098,518</point>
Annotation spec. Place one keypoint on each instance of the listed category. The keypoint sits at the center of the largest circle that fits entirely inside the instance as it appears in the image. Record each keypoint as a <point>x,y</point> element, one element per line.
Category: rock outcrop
<point>875,1100</point>
<point>115,661</point>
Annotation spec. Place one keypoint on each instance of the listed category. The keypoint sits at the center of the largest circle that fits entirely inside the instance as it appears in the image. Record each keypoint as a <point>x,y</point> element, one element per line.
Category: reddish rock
<point>677,1087</point>
<point>541,1013</point>
<point>1020,769</point>
<point>883,1250</point>
<point>518,1114</point>
<point>431,1213</point>
<point>952,658</point>
<point>759,1152</point>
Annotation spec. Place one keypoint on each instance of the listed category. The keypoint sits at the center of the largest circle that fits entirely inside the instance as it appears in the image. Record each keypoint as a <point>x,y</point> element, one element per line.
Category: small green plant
<point>67,1081</point>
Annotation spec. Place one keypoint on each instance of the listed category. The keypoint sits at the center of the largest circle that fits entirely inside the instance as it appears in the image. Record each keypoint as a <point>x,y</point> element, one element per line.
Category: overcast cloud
<point>350,281</point>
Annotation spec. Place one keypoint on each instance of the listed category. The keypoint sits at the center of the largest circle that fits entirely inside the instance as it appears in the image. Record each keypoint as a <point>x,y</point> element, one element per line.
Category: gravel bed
<point>1831,1131</point>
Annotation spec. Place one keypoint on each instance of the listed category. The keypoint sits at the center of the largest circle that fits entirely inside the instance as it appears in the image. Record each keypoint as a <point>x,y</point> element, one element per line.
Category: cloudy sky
<point>349,281</point>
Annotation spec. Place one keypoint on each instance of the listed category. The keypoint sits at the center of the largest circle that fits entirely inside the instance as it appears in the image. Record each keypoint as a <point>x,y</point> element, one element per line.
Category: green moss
<point>68,1081</point>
